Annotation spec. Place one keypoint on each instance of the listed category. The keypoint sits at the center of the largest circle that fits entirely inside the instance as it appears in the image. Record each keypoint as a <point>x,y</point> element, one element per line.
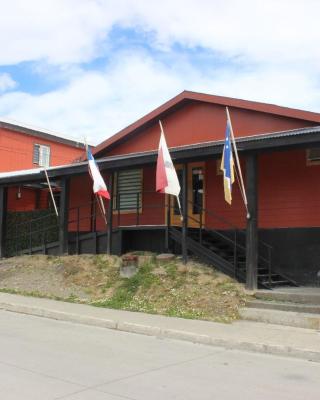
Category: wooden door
<point>196,196</point>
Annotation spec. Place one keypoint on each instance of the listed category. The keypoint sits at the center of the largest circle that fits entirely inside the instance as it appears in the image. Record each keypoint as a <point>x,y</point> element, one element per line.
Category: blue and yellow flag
<point>227,164</point>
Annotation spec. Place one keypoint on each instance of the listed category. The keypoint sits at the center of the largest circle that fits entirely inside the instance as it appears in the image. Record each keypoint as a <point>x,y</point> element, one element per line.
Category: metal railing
<point>84,217</point>
<point>236,240</point>
<point>32,233</point>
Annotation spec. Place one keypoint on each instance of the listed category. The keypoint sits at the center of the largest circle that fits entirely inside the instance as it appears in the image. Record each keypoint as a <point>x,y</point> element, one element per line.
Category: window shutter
<point>129,186</point>
<point>313,154</point>
<point>36,153</point>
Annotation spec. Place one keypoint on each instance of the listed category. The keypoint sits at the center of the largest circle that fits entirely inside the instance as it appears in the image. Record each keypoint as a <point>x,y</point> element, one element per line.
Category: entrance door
<point>196,184</point>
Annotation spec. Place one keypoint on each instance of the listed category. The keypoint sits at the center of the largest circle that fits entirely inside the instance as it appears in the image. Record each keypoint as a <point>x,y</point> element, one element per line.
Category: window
<point>41,155</point>
<point>313,156</point>
<point>128,194</point>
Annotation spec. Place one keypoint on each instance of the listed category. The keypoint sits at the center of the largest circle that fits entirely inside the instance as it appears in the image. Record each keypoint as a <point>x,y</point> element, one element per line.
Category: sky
<point>88,68</point>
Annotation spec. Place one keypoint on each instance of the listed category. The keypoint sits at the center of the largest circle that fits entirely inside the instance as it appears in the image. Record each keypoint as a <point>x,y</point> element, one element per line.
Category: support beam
<point>3,219</point>
<point>184,212</point>
<point>110,214</point>
<point>252,223</point>
<point>168,223</point>
<point>64,215</point>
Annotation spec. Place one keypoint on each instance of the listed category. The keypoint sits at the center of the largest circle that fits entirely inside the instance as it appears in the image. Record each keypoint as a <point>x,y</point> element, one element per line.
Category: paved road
<point>46,359</point>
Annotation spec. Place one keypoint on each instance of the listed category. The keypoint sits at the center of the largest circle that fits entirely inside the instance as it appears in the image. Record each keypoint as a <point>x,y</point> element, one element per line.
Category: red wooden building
<point>23,148</point>
<point>279,150</point>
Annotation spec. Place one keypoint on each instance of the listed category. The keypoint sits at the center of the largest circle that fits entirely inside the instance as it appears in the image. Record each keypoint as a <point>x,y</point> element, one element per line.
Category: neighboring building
<point>24,148</point>
<point>279,150</point>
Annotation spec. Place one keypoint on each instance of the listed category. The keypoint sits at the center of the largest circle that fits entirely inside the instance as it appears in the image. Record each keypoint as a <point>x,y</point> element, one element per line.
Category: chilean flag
<point>166,178</point>
<point>99,187</point>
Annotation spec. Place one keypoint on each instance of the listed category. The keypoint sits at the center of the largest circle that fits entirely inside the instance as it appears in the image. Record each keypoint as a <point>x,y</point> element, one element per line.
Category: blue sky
<point>88,68</point>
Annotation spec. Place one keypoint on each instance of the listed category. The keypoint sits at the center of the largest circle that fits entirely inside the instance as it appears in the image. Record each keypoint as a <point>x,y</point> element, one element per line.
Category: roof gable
<point>188,97</point>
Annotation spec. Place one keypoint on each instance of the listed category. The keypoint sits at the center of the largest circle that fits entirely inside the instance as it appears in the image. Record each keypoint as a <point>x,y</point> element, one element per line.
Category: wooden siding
<point>201,122</point>
<point>28,200</point>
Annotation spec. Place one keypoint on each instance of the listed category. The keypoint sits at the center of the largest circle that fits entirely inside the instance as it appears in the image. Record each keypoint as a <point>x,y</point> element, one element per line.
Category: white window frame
<point>44,153</point>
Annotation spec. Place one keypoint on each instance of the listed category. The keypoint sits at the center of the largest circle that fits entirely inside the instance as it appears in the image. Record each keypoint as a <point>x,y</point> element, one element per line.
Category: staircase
<point>298,307</point>
<point>228,255</point>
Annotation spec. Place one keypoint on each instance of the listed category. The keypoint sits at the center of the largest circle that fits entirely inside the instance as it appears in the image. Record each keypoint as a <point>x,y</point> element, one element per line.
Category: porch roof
<point>306,137</point>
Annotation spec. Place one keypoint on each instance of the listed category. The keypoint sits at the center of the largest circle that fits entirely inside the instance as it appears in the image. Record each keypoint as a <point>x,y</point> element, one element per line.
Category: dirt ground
<point>192,291</point>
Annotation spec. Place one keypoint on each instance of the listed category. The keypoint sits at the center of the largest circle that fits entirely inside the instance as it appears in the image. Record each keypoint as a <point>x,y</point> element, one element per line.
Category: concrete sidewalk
<point>240,335</point>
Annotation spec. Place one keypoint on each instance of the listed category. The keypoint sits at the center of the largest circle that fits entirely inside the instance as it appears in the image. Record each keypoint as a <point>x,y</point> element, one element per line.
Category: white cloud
<point>6,82</point>
<point>71,31</point>
<point>268,51</point>
<point>98,104</point>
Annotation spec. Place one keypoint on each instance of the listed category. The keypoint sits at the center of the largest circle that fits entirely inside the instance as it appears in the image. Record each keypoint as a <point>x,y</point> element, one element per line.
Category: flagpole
<point>179,205</point>
<point>52,197</point>
<point>242,188</point>
<point>103,210</point>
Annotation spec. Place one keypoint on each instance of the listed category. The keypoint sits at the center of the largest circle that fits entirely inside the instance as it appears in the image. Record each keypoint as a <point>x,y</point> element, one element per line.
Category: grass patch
<point>192,291</point>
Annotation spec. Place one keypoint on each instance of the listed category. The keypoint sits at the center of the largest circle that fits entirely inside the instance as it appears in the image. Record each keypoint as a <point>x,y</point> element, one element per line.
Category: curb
<point>280,350</point>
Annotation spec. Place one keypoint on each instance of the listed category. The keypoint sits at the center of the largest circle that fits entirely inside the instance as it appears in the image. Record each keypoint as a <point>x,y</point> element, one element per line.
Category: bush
<point>27,229</point>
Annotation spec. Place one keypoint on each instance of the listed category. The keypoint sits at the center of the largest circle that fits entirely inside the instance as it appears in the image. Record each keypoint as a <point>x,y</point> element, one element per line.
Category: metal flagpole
<point>53,200</point>
<point>242,188</point>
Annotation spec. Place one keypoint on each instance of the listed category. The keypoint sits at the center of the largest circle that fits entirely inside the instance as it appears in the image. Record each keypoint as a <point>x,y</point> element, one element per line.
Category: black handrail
<point>136,209</point>
<point>267,260</point>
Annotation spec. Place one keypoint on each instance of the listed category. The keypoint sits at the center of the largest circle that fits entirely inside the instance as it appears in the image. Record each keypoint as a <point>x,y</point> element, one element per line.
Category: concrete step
<point>285,306</point>
<point>278,317</point>
<point>292,295</point>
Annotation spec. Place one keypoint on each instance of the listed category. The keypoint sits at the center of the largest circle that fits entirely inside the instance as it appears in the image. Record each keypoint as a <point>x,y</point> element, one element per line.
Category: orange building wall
<point>16,150</point>
<point>202,122</point>
<point>16,153</point>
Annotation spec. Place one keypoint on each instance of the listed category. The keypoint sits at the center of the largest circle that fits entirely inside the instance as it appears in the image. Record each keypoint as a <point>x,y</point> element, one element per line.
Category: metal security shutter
<point>129,187</point>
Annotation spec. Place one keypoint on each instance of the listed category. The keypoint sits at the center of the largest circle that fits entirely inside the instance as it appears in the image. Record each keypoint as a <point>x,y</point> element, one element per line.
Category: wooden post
<point>3,219</point>
<point>64,215</point>
<point>184,212</point>
<point>168,217</point>
<point>110,215</point>
<point>252,223</point>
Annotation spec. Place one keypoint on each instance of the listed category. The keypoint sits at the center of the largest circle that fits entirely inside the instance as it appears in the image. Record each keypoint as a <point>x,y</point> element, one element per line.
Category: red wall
<point>217,206</point>
<point>153,212</point>
<point>28,199</point>
<point>288,193</point>
<point>289,190</point>
<point>289,196</point>
<point>201,122</point>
